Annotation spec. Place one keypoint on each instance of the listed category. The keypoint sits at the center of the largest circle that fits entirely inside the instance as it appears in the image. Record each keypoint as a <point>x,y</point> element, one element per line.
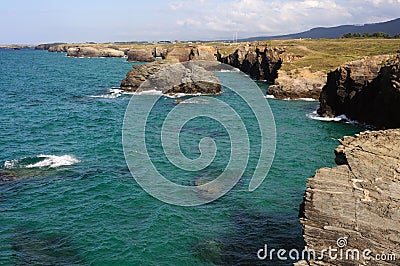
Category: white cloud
<point>219,18</point>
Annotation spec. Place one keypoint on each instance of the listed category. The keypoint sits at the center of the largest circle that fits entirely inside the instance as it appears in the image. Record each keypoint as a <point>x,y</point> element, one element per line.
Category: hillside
<point>391,27</point>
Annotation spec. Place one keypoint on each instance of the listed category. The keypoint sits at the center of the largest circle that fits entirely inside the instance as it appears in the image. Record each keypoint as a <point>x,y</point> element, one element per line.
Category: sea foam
<point>41,161</point>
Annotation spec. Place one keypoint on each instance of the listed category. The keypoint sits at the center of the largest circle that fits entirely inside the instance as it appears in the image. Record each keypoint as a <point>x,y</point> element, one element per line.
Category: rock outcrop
<point>140,55</point>
<point>169,78</point>
<point>366,90</point>
<point>304,84</point>
<point>93,52</point>
<point>259,62</point>
<point>356,205</point>
<point>183,54</point>
<point>46,46</point>
<point>60,48</point>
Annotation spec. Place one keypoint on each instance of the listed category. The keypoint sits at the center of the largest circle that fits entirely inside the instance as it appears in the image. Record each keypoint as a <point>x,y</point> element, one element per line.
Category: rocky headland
<point>366,90</point>
<point>259,62</point>
<point>94,52</point>
<point>300,85</point>
<point>358,201</point>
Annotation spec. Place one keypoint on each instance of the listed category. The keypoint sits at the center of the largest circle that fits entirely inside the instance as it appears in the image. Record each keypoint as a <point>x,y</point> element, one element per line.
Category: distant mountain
<point>391,27</point>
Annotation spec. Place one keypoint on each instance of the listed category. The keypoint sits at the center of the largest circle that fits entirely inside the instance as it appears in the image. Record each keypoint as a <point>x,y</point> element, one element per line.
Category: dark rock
<point>140,55</point>
<point>160,52</point>
<point>366,90</point>
<point>261,63</point>
<point>357,201</point>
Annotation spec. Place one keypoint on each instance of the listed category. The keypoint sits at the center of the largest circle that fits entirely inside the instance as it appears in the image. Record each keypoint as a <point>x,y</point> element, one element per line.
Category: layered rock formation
<point>140,55</point>
<point>94,52</point>
<point>357,202</point>
<point>304,84</point>
<point>259,62</point>
<point>183,54</point>
<point>60,48</point>
<point>47,46</point>
<point>168,78</point>
<point>366,90</point>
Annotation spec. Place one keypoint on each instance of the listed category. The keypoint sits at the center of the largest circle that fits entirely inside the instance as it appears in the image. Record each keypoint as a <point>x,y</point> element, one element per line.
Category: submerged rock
<point>366,90</point>
<point>356,205</point>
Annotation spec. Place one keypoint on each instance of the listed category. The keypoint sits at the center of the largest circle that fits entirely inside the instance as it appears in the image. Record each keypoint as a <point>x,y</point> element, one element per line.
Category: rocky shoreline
<point>366,90</point>
<point>358,201</point>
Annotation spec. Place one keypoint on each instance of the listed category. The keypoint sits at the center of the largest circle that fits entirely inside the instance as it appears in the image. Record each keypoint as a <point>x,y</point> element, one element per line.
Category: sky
<point>45,21</point>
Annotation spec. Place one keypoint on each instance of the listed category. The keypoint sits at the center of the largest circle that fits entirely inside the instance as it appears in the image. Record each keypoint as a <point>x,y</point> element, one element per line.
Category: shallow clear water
<point>74,200</point>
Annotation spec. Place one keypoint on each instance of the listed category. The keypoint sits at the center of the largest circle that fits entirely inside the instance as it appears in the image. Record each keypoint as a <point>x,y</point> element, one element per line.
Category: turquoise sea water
<point>74,201</point>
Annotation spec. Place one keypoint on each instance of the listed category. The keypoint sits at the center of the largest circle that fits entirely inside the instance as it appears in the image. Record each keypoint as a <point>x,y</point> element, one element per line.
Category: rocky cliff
<point>183,54</point>
<point>170,78</point>
<point>46,46</point>
<point>259,62</point>
<point>366,90</point>
<point>302,84</point>
<point>94,52</point>
<point>140,55</point>
<point>356,205</point>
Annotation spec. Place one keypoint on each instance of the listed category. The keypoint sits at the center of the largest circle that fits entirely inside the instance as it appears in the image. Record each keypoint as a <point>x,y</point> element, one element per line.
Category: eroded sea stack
<point>358,201</point>
<point>259,62</point>
<point>193,77</point>
<point>366,90</point>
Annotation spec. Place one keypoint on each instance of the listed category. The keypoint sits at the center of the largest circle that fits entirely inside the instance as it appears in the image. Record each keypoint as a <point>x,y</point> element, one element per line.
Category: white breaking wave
<point>308,99</point>
<point>112,94</point>
<point>233,70</point>
<point>269,96</point>
<point>54,161</point>
<point>42,160</point>
<point>315,116</point>
<point>179,95</point>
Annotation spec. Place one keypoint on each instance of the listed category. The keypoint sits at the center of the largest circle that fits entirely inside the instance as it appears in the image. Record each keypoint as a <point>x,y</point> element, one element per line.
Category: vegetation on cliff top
<point>327,54</point>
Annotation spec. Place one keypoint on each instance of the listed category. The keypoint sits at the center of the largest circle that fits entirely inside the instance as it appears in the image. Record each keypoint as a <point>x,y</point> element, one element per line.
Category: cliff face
<point>366,90</point>
<point>358,201</point>
<point>183,54</point>
<point>94,52</point>
<point>140,55</point>
<point>304,84</point>
<point>261,63</point>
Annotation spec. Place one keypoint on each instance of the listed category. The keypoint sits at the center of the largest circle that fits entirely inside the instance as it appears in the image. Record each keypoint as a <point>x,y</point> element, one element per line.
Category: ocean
<point>67,196</point>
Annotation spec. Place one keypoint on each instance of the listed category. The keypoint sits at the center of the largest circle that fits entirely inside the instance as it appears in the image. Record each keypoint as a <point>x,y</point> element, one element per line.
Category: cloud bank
<point>216,18</point>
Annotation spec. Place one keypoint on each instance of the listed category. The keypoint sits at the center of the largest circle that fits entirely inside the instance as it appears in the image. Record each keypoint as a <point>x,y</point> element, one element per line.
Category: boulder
<point>204,53</point>
<point>356,205</point>
<point>140,55</point>
<point>170,78</point>
<point>179,54</point>
<point>304,84</point>
<point>366,90</point>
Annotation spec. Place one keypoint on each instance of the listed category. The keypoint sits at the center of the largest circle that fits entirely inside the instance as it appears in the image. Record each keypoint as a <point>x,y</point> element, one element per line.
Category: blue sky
<point>40,21</point>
